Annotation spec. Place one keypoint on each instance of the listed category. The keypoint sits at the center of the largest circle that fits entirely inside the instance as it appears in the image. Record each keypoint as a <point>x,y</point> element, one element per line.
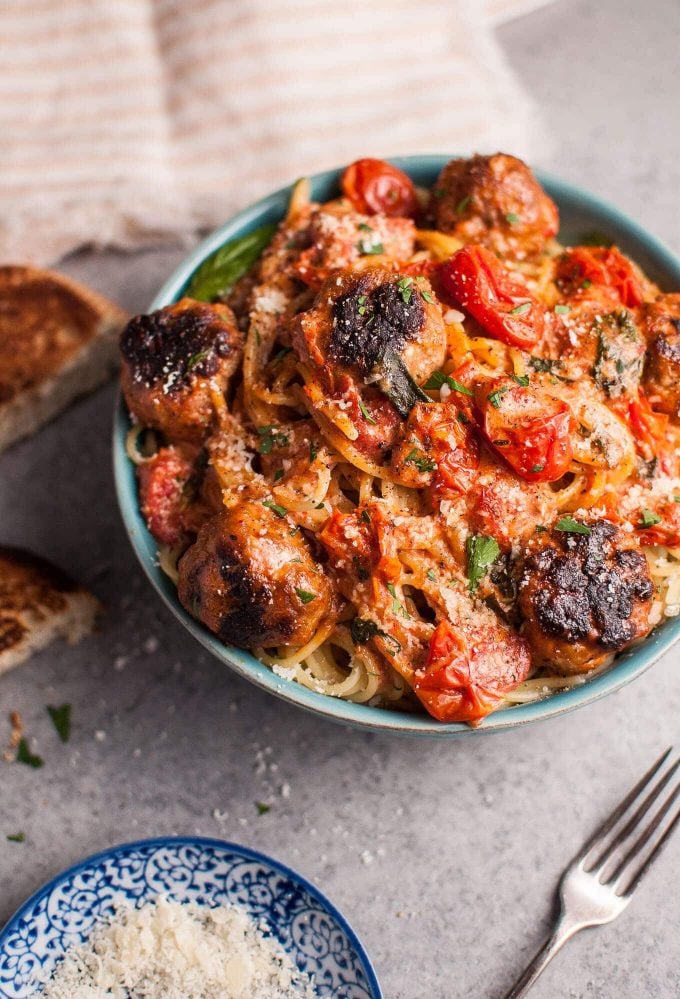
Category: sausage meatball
<point>363,321</point>
<point>583,597</point>
<point>172,360</point>
<point>495,201</point>
<point>662,369</point>
<point>252,581</point>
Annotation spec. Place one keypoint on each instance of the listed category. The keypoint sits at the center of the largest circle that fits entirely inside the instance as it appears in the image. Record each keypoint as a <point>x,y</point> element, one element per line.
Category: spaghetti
<point>430,466</point>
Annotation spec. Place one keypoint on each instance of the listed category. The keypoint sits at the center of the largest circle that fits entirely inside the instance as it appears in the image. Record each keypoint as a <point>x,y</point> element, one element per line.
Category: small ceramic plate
<point>580,213</point>
<point>63,913</point>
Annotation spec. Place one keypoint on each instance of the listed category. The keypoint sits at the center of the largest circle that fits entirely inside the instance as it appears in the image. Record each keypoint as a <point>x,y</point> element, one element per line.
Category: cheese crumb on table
<point>167,950</point>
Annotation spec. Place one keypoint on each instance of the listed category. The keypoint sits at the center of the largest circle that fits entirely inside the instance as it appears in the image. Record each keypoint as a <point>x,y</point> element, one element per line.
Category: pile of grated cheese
<point>167,950</point>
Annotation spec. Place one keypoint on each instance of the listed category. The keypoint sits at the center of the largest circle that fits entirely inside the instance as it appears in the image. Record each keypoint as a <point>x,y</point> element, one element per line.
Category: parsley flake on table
<point>24,755</point>
<point>262,808</point>
<point>571,526</point>
<point>16,837</point>
<point>61,719</point>
<point>482,552</point>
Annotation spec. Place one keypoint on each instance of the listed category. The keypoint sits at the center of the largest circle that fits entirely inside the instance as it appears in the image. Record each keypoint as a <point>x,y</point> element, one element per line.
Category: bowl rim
<point>633,663</point>
<point>201,841</point>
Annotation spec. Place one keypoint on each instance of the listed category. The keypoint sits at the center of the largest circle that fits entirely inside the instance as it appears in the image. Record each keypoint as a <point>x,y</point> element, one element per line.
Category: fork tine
<point>651,858</point>
<point>634,821</point>
<point>617,877</point>
<point>609,823</point>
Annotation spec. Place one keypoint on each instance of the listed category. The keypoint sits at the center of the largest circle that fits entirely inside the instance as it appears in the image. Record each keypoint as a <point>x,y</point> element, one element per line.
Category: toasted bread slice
<point>39,603</point>
<point>58,340</point>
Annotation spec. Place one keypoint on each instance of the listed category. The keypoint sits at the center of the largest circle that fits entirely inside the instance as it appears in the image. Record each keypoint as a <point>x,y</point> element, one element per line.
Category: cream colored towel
<point>128,122</point>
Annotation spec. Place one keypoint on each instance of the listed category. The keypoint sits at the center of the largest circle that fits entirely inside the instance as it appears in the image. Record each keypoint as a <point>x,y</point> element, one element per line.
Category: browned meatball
<point>662,369</point>
<point>583,596</point>
<point>362,322</point>
<point>251,579</point>
<point>172,360</point>
<point>495,201</point>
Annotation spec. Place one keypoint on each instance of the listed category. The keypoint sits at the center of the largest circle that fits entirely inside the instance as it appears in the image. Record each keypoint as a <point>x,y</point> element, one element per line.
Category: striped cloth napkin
<point>131,122</point>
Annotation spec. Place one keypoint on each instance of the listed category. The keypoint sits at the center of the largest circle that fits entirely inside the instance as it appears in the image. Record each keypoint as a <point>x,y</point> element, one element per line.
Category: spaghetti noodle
<point>440,464</point>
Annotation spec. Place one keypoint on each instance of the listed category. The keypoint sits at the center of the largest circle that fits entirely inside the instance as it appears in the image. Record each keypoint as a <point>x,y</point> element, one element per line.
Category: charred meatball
<point>172,360</point>
<point>495,201</point>
<point>251,580</point>
<point>376,325</point>
<point>662,369</point>
<point>583,596</point>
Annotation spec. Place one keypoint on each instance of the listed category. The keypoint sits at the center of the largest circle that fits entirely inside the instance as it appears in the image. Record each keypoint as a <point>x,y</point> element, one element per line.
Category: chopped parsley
<point>280,511</point>
<point>586,283</point>
<point>495,396</point>
<point>438,378</point>
<point>278,474</point>
<point>271,438</point>
<point>482,552</point>
<point>522,380</point>
<point>276,360</point>
<point>520,309</point>
<point>196,359</point>
<point>305,596</point>
<point>262,809</point>
<point>512,218</point>
<point>24,755</point>
<point>463,204</point>
<point>313,451</point>
<point>541,528</point>
<point>16,838</point>
<point>649,518</point>
<point>676,499</point>
<point>61,719</point>
<point>364,227</point>
<point>397,606</point>
<point>562,310</point>
<point>405,286</point>
<point>537,468</point>
<point>571,526</point>
<point>431,575</point>
<point>365,516</point>
<point>546,365</point>
<point>370,249</point>
<point>427,297</point>
<point>365,413</point>
<point>421,461</point>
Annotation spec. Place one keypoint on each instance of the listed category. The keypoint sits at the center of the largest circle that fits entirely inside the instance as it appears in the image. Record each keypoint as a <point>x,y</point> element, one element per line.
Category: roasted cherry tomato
<point>604,266</point>
<point>529,428</point>
<point>376,187</point>
<point>497,299</point>
<point>461,683</point>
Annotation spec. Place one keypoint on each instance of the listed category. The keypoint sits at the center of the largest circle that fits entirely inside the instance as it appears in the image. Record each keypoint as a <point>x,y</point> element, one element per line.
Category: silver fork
<point>599,883</point>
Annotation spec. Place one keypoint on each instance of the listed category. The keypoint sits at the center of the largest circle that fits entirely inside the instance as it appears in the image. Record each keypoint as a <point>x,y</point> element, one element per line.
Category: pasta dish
<point>409,449</point>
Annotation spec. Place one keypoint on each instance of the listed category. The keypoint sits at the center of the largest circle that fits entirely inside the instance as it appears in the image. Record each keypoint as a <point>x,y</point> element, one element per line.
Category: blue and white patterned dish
<point>63,913</point>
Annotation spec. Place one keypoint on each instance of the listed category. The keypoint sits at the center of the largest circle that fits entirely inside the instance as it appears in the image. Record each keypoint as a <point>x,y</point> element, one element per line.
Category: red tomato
<point>163,484</point>
<point>466,684</point>
<point>456,452</point>
<point>497,299</point>
<point>604,266</point>
<point>376,187</point>
<point>529,428</point>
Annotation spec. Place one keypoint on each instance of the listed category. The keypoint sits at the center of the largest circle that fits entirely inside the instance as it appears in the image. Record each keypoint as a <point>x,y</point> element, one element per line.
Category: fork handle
<point>562,932</point>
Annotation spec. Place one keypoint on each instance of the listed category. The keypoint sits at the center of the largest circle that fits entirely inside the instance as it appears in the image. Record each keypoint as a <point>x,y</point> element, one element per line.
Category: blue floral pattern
<point>207,872</point>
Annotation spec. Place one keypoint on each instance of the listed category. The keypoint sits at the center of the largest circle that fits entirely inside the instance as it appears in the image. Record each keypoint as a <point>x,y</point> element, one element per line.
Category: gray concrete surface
<point>444,857</point>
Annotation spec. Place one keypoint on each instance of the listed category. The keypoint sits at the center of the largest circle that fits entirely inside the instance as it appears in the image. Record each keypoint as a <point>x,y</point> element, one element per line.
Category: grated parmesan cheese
<point>166,950</point>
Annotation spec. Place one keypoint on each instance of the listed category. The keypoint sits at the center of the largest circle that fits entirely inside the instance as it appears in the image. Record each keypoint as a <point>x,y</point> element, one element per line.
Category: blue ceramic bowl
<point>580,213</point>
<point>210,872</point>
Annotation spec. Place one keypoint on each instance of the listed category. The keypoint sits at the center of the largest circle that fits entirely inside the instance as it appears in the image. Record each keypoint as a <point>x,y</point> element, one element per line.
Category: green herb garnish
<point>262,809</point>
<point>405,286</point>
<point>427,297</point>
<point>61,719</point>
<point>519,310</point>
<point>24,755</point>
<point>278,474</point>
<point>219,273</point>
<point>482,552</point>
<point>276,360</point>
<point>571,526</point>
<point>649,518</point>
<point>397,606</point>
<point>271,438</point>
<point>421,461</point>
<point>495,396</point>
<point>366,413</point>
<point>438,378</point>
<point>536,468</point>
<point>370,249</point>
<point>196,359</point>
<point>16,838</point>
<point>431,575</point>
<point>313,452</point>
<point>512,218</point>
<point>280,511</point>
<point>363,630</point>
<point>562,310</point>
<point>305,596</point>
<point>463,204</point>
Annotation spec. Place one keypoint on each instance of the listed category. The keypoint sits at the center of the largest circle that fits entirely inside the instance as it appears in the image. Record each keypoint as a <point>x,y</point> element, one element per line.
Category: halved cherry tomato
<point>446,446</point>
<point>376,187</point>
<point>603,266</point>
<point>497,299</point>
<point>529,428</point>
<point>461,683</point>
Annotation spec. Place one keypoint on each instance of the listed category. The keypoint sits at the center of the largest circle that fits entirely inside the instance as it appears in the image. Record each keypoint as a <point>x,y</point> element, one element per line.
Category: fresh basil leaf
<point>398,386</point>
<point>219,273</point>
